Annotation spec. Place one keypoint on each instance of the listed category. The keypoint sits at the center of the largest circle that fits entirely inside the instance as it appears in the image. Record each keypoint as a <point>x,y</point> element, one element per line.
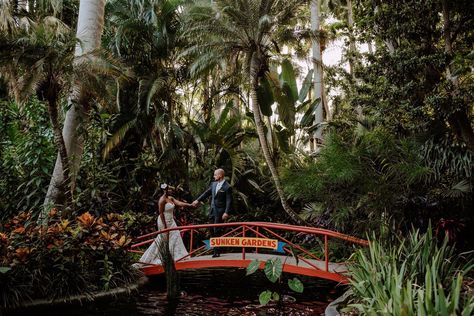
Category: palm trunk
<point>90,25</point>
<point>317,64</point>
<point>254,68</point>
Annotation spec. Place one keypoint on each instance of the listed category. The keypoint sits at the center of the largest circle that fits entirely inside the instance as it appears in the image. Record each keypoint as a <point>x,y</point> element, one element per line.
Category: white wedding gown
<point>176,245</point>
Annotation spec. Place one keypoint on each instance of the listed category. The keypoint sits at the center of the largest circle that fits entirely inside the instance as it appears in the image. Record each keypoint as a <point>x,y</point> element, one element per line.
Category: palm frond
<point>117,138</point>
<point>311,211</point>
<point>151,89</point>
<point>459,189</point>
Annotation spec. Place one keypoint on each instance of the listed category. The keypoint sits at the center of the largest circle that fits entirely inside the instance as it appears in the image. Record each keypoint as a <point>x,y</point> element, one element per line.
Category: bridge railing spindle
<point>256,235</point>
<point>326,254</point>
<point>243,248</point>
<point>191,241</point>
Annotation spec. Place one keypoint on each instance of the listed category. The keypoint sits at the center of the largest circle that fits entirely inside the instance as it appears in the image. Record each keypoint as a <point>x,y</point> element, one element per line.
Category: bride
<point>166,205</point>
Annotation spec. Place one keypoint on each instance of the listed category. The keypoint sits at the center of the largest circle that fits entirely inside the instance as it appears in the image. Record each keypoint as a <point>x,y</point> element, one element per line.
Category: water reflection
<point>214,292</point>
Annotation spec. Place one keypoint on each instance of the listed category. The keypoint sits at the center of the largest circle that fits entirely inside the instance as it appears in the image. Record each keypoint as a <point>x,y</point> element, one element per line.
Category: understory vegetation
<point>415,276</point>
<point>64,258</point>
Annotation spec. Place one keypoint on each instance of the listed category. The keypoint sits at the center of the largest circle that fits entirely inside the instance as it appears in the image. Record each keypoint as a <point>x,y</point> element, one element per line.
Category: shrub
<point>26,156</point>
<point>373,183</point>
<point>64,258</point>
<point>415,277</point>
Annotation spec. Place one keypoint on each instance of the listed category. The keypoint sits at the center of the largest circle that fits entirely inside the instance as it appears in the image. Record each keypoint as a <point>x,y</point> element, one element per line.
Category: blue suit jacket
<point>221,201</point>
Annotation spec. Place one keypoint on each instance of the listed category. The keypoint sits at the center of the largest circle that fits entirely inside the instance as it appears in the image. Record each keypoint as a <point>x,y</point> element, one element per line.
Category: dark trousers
<point>216,231</point>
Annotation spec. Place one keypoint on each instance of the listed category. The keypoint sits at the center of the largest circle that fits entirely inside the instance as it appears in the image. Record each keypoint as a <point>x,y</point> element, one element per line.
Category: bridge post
<point>243,248</point>
<point>326,254</point>
<point>256,249</point>
<point>191,241</point>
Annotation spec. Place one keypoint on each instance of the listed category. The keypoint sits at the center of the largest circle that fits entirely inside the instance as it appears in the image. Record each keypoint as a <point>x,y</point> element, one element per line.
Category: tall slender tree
<point>229,29</point>
<point>89,31</point>
<point>317,66</point>
<point>36,58</point>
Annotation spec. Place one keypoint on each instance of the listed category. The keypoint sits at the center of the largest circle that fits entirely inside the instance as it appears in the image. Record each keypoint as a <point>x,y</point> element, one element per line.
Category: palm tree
<point>89,31</point>
<point>143,34</point>
<point>38,59</point>
<point>228,29</point>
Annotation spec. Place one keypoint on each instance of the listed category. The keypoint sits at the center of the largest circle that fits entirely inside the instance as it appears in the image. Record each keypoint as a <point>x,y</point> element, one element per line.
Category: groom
<point>220,192</point>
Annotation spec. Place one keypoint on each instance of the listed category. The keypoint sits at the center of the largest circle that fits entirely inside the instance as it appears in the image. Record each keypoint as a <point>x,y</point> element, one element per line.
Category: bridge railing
<point>281,232</point>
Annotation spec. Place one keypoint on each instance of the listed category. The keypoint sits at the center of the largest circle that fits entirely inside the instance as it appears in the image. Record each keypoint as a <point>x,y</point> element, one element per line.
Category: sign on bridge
<point>245,242</point>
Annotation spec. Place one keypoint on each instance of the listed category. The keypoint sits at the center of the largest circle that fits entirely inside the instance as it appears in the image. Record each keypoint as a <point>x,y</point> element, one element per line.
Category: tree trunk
<point>370,47</point>
<point>235,111</point>
<point>458,120</point>
<point>207,105</point>
<point>254,70</point>
<point>317,64</point>
<point>61,146</point>
<point>389,43</point>
<point>352,44</point>
<point>90,25</point>
<point>172,280</point>
<point>352,61</point>
<point>270,139</point>
<point>327,113</point>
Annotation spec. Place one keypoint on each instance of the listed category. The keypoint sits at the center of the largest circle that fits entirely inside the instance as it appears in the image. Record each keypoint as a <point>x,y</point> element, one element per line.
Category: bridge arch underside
<point>233,260</point>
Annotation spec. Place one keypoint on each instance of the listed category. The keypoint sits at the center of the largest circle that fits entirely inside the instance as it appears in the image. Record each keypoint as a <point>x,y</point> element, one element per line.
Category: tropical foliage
<point>169,90</point>
<point>273,270</point>
<point>414,277</point>
<point>64,258</point>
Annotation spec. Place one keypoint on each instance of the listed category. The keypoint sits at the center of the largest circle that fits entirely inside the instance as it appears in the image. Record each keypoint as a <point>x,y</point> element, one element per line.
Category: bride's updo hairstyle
<point>165,187</point>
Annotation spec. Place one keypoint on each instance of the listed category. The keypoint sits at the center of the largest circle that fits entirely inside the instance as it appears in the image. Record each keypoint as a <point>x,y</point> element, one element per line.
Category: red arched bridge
<point>302,250</point>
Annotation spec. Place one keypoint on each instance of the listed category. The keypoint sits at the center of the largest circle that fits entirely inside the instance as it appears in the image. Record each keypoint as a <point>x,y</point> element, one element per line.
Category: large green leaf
<point>253,266</point>
<point>308,117</point>
<point>283,136</point>
<point>224,113</point>
<point>265,297</point>
<point>275,296</point>
<point>273,269</point>
<point>303,106</point>
<point>265,97</point>
<point>286,107</point>
<point>288,77</point>
<point>306,86</point>
<point>4,270</point>
<point>285,102</point>
<point>296,285</point>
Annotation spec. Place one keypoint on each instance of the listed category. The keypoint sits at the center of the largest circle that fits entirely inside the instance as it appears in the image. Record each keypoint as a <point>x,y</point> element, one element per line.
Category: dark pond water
<point>213,292</point>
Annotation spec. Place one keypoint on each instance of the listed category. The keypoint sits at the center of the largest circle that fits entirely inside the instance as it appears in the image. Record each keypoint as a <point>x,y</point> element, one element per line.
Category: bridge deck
<point>335,270</point>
